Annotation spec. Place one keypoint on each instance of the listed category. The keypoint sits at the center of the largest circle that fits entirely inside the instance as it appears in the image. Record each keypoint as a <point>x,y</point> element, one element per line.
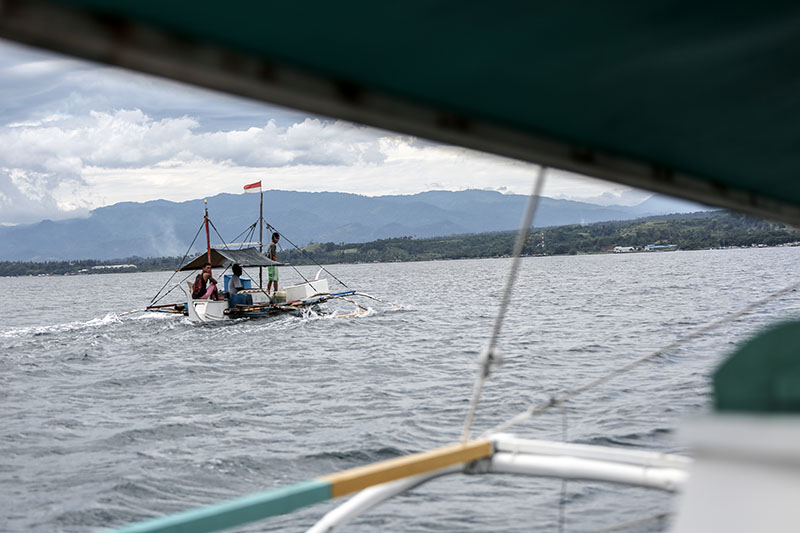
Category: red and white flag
<point>253,187</point>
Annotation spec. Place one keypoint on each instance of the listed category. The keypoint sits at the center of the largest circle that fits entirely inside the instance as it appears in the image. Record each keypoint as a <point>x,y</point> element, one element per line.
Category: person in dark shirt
<point>272,253</point>
<point>201,289</point>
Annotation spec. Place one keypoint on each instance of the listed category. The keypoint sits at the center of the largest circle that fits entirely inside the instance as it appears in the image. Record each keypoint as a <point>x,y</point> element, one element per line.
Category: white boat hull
<point>203,311</point>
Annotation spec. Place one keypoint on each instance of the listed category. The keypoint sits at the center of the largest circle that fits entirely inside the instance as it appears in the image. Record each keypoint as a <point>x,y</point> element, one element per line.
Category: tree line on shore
<point>688,232</point>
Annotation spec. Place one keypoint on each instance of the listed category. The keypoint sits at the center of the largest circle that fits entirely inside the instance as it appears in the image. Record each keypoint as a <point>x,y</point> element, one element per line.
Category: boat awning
<point>246,257</point>
<point>698,100</point>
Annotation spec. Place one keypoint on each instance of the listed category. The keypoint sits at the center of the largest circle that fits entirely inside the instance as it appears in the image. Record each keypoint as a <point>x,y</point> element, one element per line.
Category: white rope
<point>558,401</point>
<point>491,354</point>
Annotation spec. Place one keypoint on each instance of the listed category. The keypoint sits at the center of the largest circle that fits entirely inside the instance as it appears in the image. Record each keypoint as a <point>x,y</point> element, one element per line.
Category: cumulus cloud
<point>64,164</point>
<point>131,138</point>
<point>600,195</point>
<point>35,84</point>
<point>76,135</point>
<point>27,197</point>
<point>58,151</point>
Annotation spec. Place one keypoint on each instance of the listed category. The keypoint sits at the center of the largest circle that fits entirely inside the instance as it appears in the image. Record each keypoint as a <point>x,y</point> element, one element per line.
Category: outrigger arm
<point>500,454</point>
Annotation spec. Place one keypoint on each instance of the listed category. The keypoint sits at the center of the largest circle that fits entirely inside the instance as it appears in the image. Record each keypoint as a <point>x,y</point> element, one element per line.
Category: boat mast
<point>208,237</point>
<point>261,236</point>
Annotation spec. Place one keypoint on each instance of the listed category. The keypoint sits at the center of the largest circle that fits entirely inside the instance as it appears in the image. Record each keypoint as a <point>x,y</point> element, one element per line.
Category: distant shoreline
<point>717,231</point>
<point>134,270</point>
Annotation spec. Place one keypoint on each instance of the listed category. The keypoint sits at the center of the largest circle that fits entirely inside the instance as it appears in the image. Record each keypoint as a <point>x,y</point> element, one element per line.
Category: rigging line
<point>249,237</point>
<point>298,272</point>
<point>535,410</point>
<point>172,289</point>
<point>226,245</point>
<point>153,300</point>
<point>251,228</point>
<point>562,502</point>
<point>268,225</point>
<point>306,254</point>
<point>261,289</point>
<point>490,353</point>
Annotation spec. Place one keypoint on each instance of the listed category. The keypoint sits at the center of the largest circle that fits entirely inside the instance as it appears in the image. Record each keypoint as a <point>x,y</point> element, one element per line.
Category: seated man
<point>199,289</point>
<point>235,285</point>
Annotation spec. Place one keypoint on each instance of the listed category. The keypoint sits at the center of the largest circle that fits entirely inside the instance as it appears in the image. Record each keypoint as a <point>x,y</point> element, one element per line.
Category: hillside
<point>688,232</point>
<point>161,228</point>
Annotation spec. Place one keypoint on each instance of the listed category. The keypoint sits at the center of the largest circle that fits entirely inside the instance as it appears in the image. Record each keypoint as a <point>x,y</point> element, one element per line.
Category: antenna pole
<point>261,237</point>
<point>208,237</point>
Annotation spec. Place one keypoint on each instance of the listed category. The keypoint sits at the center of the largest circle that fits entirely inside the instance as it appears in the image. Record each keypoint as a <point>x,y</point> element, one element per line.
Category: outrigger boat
<point>299,299</point>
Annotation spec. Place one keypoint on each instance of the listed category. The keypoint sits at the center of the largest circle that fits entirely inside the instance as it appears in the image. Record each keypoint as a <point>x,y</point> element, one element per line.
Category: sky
<point>75,135</point>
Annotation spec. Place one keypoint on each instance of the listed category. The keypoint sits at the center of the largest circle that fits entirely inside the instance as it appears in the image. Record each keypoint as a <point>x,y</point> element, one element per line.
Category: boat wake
<point>70,327</point>
<point>35,331</point>
<point>309,314</point>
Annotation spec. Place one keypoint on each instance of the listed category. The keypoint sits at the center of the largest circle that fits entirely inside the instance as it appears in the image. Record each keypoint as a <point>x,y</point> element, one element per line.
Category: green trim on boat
<point>763,376</point>
<point>236,512</point>
<point>695,99</point>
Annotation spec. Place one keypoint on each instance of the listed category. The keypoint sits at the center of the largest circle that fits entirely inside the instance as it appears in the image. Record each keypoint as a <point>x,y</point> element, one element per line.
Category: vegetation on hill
<point>700,231</point>
<point>687,232</point>
<point>86,266</point>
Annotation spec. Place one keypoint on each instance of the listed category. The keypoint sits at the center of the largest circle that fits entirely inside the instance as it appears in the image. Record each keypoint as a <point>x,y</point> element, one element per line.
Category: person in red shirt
<point>204,285</point>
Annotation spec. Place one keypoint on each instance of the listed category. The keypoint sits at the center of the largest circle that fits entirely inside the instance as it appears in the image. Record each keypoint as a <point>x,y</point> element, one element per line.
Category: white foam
<point>110,318</point>
<point>339,313</point>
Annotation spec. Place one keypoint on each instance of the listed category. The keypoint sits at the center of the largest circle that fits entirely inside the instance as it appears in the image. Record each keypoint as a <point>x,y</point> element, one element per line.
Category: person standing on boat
<point>272,253</point>
<point>205,287</point>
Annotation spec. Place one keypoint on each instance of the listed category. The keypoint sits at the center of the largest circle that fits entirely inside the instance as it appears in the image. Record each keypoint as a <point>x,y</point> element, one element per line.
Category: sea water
<point>109,418</point>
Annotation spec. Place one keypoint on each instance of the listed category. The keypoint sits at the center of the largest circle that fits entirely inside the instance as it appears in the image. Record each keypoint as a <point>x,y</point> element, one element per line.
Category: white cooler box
<point>304,291</point>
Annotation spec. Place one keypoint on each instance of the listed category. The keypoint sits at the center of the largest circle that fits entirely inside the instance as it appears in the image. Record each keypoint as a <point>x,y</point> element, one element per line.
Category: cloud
<point>65,164</point>
<point>310,142</point>
<point>56,152</point>
<point>131,138</point>
<point>35,84</point>
<point>30,197</point>
<point>616,196</point>
<point>76,135</point>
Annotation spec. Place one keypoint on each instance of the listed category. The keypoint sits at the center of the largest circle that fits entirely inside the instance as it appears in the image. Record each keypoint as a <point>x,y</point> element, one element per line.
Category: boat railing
<point>375,483</point>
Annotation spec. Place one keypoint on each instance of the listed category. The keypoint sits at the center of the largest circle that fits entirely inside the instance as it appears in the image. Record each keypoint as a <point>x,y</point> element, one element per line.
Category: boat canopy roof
<point>698,100</point>
<point>246,257</point>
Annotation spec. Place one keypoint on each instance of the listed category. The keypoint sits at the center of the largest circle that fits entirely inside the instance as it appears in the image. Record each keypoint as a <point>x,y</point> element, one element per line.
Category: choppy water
<point>109,419</point>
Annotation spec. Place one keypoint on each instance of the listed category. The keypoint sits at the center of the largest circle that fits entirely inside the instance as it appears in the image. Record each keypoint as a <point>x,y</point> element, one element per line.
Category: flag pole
<point>256,187</point>
<point>208,237</point>
<point>261,237</point>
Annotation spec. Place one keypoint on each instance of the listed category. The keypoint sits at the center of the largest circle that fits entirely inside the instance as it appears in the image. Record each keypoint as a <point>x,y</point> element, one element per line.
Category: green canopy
<point>694,99</point>
<point>763,375</point>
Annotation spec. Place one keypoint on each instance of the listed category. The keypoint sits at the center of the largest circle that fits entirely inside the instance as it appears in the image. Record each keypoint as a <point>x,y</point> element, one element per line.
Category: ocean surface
<point>109,418</point>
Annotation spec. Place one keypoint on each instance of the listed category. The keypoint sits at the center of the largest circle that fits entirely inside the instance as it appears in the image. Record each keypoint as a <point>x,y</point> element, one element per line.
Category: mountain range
<point>163,228</point>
